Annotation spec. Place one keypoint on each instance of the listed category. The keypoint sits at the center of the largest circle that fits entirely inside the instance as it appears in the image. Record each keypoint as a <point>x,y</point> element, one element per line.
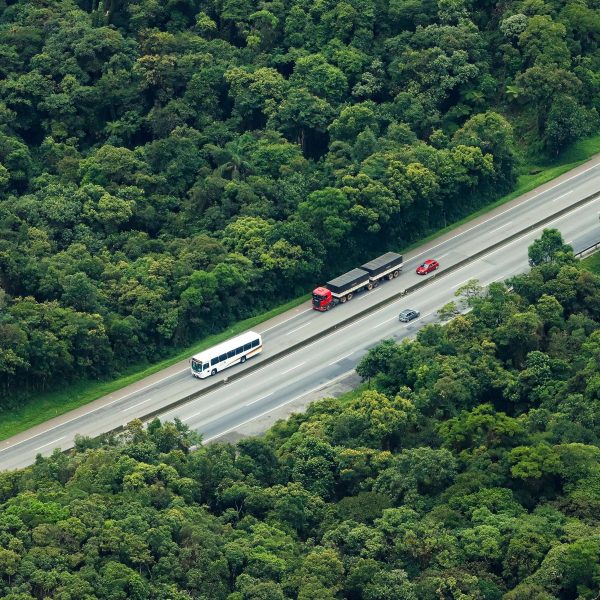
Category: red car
<point>427,267</point>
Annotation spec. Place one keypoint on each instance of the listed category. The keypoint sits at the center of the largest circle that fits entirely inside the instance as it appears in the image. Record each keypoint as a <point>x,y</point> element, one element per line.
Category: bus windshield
<point>196,366</point>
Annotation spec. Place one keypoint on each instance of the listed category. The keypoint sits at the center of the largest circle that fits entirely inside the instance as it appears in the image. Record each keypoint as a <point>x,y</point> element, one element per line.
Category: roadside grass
<point>592,263</point>
<point>41,407</point>
<point>347,397</point>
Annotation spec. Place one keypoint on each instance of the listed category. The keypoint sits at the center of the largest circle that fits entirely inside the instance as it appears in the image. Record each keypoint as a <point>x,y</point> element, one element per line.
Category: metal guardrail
<point>588,251</point>
<point>369,309</point>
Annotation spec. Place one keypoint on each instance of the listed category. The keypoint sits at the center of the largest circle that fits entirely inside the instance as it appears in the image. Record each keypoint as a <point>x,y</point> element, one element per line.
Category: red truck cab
<point>321,299</point>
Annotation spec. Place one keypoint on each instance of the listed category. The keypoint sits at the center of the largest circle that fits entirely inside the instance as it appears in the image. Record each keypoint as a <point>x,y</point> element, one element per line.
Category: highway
<point>281,382</point>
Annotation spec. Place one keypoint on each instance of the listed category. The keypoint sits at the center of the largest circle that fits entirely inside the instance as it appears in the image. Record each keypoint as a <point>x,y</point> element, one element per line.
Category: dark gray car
<point>408,314</point>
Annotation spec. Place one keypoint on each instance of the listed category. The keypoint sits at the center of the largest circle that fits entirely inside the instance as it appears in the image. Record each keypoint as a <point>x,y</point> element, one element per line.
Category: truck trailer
<point>342,288</point>
<point>387,265</point>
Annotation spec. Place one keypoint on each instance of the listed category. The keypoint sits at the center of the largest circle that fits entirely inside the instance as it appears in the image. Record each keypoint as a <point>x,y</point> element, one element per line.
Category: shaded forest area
<point>168,168</point>
<point>469,470</point>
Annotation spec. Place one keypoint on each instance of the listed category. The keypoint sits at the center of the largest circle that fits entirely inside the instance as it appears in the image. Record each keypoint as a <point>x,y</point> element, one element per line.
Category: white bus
<point>221,356</point>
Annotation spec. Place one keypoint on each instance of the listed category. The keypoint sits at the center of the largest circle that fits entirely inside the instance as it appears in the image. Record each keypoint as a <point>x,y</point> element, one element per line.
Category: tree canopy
<point>169,168</point>
<point>467,469</point>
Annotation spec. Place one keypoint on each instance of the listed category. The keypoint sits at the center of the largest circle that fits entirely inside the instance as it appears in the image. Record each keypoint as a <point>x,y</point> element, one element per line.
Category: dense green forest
<point>167,168</point>
<point>469,469</point>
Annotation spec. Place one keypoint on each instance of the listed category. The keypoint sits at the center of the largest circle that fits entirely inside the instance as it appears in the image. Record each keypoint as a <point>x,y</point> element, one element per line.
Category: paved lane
<point>281,382</point>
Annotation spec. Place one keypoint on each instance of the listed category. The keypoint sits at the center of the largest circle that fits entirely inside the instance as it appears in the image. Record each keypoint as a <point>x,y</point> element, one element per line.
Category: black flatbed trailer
<point>342,288</point>
<point>351,280</point>
<point>382,265</point>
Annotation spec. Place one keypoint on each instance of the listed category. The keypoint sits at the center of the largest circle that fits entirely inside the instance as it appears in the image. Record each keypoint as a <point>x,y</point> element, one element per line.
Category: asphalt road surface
<point>251,396</point>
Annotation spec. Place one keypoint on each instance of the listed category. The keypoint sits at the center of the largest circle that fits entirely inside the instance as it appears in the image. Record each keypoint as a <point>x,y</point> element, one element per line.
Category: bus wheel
<point>243,359</point>
<point>213,372</point>
<point>349,297</point>
<point>396,273</point>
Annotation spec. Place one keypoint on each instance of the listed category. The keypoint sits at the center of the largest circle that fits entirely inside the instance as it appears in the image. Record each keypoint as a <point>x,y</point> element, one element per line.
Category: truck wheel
<point>396,273</point>
<point>328,307</point>
<point>369,286</point>
<point>390,276</point>
<point>376,283</point>
<point>343,299</point>
<point>243,359</point>
<point>349,297</point>
<point>213,372</point>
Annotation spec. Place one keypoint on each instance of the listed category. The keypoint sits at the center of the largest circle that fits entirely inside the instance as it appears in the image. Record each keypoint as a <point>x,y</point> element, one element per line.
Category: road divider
<point>588,251</point>
<point>267,359</point>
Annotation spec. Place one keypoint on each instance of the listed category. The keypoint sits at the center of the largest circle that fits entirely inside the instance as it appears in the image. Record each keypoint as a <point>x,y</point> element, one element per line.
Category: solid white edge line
<point>534,231</point>
<point>104,406</point>
<point>506,211</point>
<point>341,329</point>
<point>341,376</point>
<point>361,319</point>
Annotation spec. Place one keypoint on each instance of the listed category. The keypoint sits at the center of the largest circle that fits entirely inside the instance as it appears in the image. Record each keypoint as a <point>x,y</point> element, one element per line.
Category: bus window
<point>254,343</point>
<point>247,347</point>
<point>239,350</point>
<point>214,361</point>
<point>231,353</point>
<point>205,368</point>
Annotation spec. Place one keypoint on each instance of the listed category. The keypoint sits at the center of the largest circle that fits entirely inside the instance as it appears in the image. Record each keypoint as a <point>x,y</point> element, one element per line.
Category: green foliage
<point>547,248</point>
<point>168,169</point>
<point>470,468</point>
